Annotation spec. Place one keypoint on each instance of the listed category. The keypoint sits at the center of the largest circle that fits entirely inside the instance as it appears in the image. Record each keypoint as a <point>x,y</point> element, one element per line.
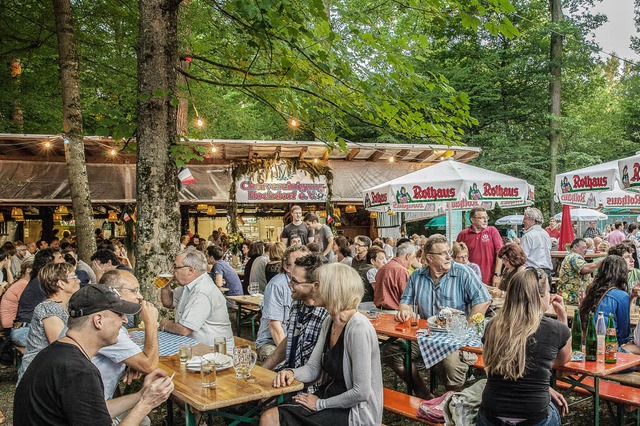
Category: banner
<point>280,186</point>
<point>630,173</point>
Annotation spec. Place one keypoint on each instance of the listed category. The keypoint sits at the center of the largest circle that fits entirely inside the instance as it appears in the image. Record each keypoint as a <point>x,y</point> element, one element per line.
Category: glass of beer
<point>244,358</point>
<point>208,373</point>
<point>220,345</point>
<point>163,279</point>
<point>185,353</point>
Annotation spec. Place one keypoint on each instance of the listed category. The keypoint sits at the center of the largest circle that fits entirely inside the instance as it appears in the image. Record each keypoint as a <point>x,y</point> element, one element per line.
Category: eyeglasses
<point>294,282</point>
<point>481,217</point>
<point>132,290</point>
<point>176,267</point>
<point>442,253</point>
<point>72,277</point>
<point>361,244</point>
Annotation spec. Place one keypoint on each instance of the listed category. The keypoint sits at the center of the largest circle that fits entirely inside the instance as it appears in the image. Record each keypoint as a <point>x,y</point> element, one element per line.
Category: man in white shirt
<point>536,242</point>
<point>201,309</point>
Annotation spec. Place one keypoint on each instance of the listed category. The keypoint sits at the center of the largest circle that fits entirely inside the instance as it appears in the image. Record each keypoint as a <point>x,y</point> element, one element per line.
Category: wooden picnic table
<point>250,301</point>
<point>589,256</point>
<point>229,390</point>
<point>595,369</point>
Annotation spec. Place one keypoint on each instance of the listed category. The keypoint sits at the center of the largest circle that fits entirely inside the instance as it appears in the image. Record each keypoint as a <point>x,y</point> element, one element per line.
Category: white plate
<point>222,361</point>
<point>434,326</point>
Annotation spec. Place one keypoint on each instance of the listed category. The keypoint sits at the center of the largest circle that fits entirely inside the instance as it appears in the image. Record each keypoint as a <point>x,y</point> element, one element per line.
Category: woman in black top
<point>521,346</point>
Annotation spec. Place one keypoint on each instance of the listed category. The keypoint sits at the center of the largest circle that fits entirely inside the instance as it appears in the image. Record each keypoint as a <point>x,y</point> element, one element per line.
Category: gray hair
<point>364,240</point>
<point>406,248</point>
<point>115,278</point>
<point>194,258</point>
<point>534,213</point>
<point>437,239</point>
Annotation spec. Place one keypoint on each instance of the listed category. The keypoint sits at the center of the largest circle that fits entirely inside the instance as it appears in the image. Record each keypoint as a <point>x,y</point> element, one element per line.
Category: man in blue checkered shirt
<point>445,284</point>
<point>305,320</point>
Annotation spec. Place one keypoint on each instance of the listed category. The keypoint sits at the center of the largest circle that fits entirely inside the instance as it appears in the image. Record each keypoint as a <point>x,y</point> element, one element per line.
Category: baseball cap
<point>98,297</point>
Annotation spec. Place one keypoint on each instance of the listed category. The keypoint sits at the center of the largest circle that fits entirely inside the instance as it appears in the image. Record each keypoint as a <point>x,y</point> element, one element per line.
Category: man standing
<point>575,272</point>
<point>484,243</point>
<point>553,229</point>
<point>277,304</point>
<point>616,236</point>
<point>296,227</point>
<point>305,320</point>
<point>361,244</point>
<point>391,279</point>
<point>201,309</point>
<point>444,283</point>
<point>536,243</point>
<point>323,235</point>
<point>62,386</point>
<point>591,231</point>
<point>113,360</point>
<point>222,272</point>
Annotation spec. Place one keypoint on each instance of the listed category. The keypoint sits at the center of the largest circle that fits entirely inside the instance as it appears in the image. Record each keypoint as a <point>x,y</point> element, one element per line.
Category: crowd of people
<point>72,317</point>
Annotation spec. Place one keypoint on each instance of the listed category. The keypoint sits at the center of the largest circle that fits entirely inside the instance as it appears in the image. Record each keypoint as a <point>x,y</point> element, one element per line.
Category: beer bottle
<point>610,342</point>
<point>592,340</point>
<point>576,336</point>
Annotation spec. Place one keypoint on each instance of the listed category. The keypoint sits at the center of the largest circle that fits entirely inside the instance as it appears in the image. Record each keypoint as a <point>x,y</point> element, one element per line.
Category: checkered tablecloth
<point>169,343</point>
<point>438,346</point>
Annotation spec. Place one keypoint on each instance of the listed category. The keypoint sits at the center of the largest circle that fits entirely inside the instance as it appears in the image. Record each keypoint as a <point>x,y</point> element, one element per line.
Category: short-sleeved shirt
<point>37,339</point>
<point>615,237</point>
<point>31,296</point>
<point>536,244</point>
<point>229,275</point>
<point>632,278</point>
<point>459,289</point>
<point>322,237</point>
<point>553,233</point>
<point>504,397</point>
<point>110,361</point>
<point>62,387</point>
<point>9,302</point>
<point>258,271</point>
<point>616,302</point>
<point>391,281</point>
<point>277,306</point>
<point>300,230</point>
<point>201,307</point>
<point>571,282</point>
<point>483,249</point>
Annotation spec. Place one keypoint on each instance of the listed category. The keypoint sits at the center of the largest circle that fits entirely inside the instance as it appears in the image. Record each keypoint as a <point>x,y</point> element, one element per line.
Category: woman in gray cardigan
<point>346,360</point>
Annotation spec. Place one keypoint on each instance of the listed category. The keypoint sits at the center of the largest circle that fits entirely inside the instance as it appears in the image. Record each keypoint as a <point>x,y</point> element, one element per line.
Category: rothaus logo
<point>378,198</point>
<point>432,194</point>
<point>489,190</point>
<point>588,182</point>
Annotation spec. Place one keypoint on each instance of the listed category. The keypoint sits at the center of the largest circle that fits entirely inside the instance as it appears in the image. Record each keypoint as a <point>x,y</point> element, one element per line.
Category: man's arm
<point>479,308</point>
<point>496,280</point>
<point>218,279</point>
<point>156,389</point>
<point>166,296</point>
<point>277,356</point>
<point>590,267</point>
<point>147,361</point>
<point>277,333</point>
<point>329,247</point>
<point>174,327</point>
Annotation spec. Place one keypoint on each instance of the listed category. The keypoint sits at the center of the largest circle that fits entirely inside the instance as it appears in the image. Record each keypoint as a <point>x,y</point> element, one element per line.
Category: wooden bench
<point>404,405</point>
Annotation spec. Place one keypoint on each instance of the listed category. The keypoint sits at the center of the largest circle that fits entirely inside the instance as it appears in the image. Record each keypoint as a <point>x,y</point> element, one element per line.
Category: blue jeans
<point>19,336</point>
<point>553,419</point>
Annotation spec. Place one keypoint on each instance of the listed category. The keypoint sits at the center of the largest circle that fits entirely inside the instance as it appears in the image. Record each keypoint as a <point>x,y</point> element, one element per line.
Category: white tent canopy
<point>512,219</point>
<point>619,198</point>
<point>584,215</point>
<point>448,184</point>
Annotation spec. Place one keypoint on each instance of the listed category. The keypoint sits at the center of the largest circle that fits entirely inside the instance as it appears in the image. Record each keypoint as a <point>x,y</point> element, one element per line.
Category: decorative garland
<point>259,167</point>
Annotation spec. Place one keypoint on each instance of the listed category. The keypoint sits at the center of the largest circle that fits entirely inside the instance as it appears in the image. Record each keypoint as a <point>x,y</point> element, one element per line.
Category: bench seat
<point>404,405</point>
<point>609,391</point>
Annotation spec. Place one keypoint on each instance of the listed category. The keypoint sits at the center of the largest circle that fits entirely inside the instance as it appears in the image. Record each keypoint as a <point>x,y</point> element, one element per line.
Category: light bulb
<point>199,122</point>
<point>214,149</point>
<point>47,144</point>
<point>293,122</point>
<point>392,159</point>
<point>113,152</point>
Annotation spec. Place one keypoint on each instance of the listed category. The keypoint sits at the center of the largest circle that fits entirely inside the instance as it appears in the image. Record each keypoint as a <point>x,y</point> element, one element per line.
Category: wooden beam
<point>351,155</point>
<point>250,153</point>
<point>376,155</point>
<point>303,152</point>
<point>424,154</point>
<point>326,154</point>
<point>401,154</point>
<point>468,155</point>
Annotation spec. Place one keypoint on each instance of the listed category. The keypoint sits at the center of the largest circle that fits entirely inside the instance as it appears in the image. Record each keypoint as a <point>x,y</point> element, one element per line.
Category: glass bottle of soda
<point>576,337</point>
<point>592,340</point>
<point>610,342</point>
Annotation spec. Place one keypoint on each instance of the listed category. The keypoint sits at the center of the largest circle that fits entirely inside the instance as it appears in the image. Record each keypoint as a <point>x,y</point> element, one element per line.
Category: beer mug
<point>162,279</point>
<point>244,359</point>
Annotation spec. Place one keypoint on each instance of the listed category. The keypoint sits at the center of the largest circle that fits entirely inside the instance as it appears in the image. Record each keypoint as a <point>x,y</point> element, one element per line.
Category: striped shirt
<point>460,288</point>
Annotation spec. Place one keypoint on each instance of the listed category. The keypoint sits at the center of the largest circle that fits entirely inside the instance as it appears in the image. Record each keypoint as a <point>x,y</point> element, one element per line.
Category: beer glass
<point>162,279</point>
<point>208,373</point>
<point>244,359</point>
<point>220,345</point>
<point>185,353</point>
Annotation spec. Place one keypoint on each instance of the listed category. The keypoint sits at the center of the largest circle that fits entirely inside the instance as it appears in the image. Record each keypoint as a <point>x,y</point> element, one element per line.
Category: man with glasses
<point>575,272</point>
<point>362,244</point>
<point>536,243</point>
<point>277,304</point>
<point>444,284</point>
<point>484,243</point>
<point>16,259</point>
<point>112,361</point>
<point>305,320</point>
<point>201,309</point>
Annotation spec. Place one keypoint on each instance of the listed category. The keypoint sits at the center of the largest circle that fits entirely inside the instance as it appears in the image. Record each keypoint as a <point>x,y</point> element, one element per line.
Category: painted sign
<point>630,174</point>
<point>281,186</point>
<point>585,183</point>
<point>621,201</point>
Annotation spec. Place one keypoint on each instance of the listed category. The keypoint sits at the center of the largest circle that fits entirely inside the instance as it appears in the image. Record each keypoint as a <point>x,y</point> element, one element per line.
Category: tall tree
<point>555,90</point>
<point>72,124</point>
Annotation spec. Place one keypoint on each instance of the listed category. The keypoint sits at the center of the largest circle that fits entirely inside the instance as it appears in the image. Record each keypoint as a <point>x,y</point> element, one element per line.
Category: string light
<point>315,160</point>
<point>294,123</point>
<point>392,159</point>
<point>199,121</point>
<point>214,149</point>
<point>113,152</point>
<point>47,144</point>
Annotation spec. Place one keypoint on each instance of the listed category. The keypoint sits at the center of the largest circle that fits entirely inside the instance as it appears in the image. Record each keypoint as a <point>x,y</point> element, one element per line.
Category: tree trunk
<point>158,226</point>
<point>17,114</point>
<point>555,90</point>
<point>72,125</point>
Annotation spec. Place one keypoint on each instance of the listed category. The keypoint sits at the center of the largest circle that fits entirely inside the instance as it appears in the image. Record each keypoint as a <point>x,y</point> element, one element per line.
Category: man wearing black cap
<point>62,386</point>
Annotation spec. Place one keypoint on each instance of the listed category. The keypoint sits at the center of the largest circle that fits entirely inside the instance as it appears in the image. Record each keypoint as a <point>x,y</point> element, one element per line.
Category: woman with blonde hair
<point>521,346</point>
<point>461,256</point>
<point>346,356</point>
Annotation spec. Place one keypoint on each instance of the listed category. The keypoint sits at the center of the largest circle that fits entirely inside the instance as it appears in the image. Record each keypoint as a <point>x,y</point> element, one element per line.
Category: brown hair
<point>514,254</point>
<point>51,273</point>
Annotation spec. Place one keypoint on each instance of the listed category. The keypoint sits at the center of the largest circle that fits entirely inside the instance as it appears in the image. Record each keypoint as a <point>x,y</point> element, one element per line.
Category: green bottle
<point>610,342</point>
<point>592,340</point>
<point>576,334</point>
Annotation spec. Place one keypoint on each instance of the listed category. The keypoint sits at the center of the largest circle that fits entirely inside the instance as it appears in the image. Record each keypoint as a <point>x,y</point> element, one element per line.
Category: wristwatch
<point>497,274</point>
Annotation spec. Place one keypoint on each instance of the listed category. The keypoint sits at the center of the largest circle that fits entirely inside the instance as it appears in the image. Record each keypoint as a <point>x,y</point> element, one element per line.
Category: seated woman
<point>521,346</point>
<point>59,282</point>
<point>274,266</point>
<point>9,301</point>
<point>461,255</point>
<point>513,260</point>
<point>341,250</point>
<point>608,293</point>
<point>346,356</point>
